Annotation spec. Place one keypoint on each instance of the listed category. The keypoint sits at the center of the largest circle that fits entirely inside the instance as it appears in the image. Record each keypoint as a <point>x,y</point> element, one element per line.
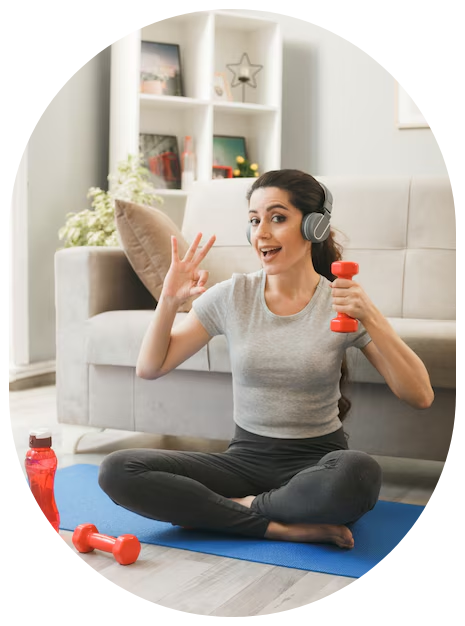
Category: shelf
<point>244,108</point>
<point>182,103</point>
<point>170,102</point>
<point>208,41</point>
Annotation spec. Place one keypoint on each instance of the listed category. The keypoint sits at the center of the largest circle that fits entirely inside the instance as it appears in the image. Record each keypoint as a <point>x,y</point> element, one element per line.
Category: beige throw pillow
<point>145,236</point>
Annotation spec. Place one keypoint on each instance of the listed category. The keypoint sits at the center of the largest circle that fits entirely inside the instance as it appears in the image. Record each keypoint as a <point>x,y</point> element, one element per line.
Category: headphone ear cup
<point>315,227</point>
<point>249,238</point>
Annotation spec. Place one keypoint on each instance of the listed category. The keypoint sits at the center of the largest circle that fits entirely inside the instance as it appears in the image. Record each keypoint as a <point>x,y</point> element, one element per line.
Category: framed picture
<point>161,158</point>
<point>408,115</point>
<point>160,69</point>
<point>221,90</point>
<point>222,171</point>
<point>227,149</point>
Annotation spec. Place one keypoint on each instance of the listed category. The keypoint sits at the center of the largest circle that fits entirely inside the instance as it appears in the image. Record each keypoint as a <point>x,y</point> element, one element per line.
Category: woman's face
<point>275,232</point>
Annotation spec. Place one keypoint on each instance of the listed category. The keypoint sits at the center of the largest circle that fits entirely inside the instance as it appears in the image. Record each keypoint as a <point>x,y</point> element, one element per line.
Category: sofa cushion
<point>115,338</point>
<point>218,207</point>
<point>429,284</point>
<point>381,276</point>
<point>371,212</point>
<point>370,221</point>
<point>145,235</point>
<point>431,218</point>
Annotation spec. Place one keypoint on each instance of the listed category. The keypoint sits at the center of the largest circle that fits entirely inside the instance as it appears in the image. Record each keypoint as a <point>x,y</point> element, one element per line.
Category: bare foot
<point>247,501</point>
<point>305,533</point>
<point>311,533</point>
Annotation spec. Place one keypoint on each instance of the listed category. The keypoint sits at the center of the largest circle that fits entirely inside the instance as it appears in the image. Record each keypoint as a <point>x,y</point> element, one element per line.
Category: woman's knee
<point>358,479</point>
<point>113,473</point>
<point>367,471</point>
<point>354,464</point>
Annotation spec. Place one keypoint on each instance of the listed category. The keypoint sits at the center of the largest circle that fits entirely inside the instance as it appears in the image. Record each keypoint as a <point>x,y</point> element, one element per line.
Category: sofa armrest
<point>88,281</point>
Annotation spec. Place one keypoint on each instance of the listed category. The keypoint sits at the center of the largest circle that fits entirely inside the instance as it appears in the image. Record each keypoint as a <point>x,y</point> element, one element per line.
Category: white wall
<point>67,154</point>
<point>338,119</point>
<point>339,110</point>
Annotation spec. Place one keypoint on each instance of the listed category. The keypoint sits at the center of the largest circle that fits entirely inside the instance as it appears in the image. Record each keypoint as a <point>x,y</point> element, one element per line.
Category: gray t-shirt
<point>286,369</point>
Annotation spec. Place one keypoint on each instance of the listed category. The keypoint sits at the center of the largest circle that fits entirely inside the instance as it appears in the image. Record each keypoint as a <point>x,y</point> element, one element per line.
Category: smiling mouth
<point>270,253</point>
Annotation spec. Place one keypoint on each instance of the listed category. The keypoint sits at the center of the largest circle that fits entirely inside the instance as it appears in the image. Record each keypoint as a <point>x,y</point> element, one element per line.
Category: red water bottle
<point>41,464</point>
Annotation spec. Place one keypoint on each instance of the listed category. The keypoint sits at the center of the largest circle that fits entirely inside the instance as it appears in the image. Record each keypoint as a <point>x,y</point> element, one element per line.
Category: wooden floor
<point>188,581</point>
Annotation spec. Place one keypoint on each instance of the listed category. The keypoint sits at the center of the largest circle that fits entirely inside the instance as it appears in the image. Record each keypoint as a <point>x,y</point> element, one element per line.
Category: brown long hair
<point>307,195</point>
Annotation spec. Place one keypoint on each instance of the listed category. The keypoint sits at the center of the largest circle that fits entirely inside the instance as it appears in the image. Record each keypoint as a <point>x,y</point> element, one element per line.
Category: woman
<point>288,473</point>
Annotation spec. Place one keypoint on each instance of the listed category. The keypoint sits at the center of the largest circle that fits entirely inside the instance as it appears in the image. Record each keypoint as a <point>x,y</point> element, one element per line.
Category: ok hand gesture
<point>184,279</point>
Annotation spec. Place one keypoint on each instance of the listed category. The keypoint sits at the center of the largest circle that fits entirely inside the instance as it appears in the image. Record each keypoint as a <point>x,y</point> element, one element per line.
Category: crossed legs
<point>213,491</point>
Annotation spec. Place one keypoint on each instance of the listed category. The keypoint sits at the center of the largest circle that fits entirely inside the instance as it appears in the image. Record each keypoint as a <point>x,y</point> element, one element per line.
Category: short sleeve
<point>212,307</point>
<point>359,339</point>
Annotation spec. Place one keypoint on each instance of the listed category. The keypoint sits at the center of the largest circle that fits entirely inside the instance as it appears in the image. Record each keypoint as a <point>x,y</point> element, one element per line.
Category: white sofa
<point>400,230</point>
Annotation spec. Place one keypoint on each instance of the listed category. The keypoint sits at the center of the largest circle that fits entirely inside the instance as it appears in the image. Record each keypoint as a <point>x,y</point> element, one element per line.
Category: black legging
<point>313,481</point>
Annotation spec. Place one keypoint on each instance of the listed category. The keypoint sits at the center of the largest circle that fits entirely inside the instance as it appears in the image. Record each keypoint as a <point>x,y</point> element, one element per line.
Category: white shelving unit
<point>208,41</point>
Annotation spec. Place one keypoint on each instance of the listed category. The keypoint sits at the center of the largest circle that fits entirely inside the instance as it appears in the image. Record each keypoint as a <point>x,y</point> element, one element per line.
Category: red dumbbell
<point>125,548</point>
<point>343,323</point>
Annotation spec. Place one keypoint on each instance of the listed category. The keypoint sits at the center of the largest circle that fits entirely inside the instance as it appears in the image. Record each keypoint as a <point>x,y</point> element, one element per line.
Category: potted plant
<point>245,169</point>
<point>96,226</point>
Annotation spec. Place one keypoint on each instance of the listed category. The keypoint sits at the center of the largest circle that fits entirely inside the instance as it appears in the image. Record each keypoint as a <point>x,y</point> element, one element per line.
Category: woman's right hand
<point>184,279</point>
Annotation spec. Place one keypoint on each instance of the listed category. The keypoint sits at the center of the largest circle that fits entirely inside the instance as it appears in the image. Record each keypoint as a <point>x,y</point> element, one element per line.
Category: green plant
<point>96,226</point>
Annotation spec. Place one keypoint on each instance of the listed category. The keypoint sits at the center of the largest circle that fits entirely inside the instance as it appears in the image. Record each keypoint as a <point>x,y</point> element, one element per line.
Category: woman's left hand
<point>350,298</point>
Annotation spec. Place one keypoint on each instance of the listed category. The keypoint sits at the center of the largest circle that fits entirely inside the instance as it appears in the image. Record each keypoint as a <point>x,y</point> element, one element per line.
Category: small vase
<point>154,87</point>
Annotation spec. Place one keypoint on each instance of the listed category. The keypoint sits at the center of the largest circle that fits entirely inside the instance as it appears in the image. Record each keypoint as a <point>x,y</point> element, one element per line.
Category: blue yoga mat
<point>80,500</point>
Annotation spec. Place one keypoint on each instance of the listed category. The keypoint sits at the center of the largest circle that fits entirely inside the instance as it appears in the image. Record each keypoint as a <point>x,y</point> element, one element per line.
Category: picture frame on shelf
<point>226,149</point>
<point>160,69</point>
<point>221,89</point>
<point>161,158</point>
<point>221,171</point>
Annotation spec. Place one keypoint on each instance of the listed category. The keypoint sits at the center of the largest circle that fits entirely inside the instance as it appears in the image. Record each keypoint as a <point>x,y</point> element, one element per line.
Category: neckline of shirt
<point>308,307</point>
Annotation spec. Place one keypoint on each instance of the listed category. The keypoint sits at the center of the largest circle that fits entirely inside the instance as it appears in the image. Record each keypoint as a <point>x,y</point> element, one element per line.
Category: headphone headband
<point>328,201</point>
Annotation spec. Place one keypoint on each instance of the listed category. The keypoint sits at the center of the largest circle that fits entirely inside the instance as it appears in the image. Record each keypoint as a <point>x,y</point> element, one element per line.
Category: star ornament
<point>244,72</point>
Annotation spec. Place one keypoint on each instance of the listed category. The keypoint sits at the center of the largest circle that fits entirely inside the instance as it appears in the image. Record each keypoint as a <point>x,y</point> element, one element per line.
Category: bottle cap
<point>40,438</point>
